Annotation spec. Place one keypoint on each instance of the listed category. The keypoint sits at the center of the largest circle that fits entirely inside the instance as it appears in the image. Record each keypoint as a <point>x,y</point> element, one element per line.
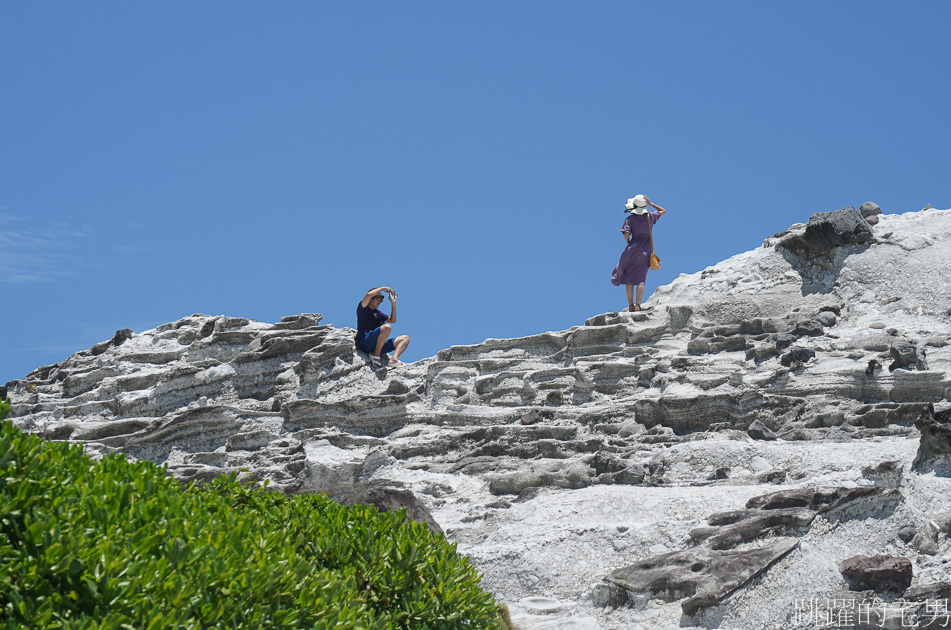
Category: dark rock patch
<point>907,533</point>
<point>396,388</point>
<point>808,328</point>
<point>784,340</point>
<point>907,355</point>
<point>828,230</point>
<point>759,431</point>
<point>206,329</point>
<point>797,356</point>
<point>929,592</point>
<point>607,463</point>
<point>122,336</point>
<point>879,573</point>
<point>739,526</point>
<point>703,575</point>
<point>822,499</point>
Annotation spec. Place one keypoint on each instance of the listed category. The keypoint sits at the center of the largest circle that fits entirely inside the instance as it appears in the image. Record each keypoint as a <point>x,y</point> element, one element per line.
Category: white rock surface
<point>555,459</point>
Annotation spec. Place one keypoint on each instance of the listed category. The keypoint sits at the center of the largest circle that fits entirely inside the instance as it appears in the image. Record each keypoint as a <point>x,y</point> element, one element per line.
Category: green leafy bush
<point>116,544</point>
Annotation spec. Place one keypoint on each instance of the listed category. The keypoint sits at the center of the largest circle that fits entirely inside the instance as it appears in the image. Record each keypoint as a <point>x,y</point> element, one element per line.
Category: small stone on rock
<point>826,318</point>
<point>759,431</point>
<point>775,477</point>
<point>797,356</point>
<point>531,417</point>
<point>784,340</point>
<point>869,208</point>
<point>906,533</point>
<point>809,328</point>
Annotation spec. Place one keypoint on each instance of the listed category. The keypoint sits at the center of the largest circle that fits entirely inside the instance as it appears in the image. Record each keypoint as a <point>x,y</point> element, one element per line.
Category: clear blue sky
<point>254,159</point>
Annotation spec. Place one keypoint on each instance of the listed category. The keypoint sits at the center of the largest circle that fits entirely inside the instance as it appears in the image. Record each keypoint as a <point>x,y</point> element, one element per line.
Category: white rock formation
<point>557,460</point>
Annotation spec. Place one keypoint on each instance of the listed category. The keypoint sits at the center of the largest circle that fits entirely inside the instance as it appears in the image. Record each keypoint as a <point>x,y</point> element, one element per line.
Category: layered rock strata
<point>556,460</point>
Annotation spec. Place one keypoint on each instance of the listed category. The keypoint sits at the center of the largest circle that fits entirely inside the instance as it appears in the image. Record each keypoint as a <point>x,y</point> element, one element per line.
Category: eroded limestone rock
<point>603,431</point>
<point>701,575</point>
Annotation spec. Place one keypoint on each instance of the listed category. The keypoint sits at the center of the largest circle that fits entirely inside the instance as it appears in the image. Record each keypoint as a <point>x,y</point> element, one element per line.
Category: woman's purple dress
<point>635,259</point>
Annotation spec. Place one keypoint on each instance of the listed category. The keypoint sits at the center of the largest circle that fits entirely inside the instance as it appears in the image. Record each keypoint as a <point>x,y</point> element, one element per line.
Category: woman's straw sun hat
<point>636,204</point>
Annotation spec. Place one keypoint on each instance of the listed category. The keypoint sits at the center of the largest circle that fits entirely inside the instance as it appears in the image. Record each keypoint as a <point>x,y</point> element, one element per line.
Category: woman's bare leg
<point>640,294</point>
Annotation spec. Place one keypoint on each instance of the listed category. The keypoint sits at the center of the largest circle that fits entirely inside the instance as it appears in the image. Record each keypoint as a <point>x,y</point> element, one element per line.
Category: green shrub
<point>116,544</point>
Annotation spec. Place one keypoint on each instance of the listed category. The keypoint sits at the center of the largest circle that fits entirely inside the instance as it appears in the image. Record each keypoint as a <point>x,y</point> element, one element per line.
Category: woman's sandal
<point>631,308</point>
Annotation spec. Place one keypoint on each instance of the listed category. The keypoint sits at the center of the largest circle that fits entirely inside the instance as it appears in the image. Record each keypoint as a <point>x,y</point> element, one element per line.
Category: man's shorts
<point>368,343</point>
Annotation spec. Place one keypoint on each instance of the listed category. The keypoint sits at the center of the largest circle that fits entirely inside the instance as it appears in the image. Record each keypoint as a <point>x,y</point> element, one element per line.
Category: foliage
<point>116,544</point>
<point>4,409</point>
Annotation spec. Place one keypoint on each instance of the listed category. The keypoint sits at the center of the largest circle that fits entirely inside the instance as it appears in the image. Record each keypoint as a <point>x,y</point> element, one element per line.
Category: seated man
<point>373,328</point>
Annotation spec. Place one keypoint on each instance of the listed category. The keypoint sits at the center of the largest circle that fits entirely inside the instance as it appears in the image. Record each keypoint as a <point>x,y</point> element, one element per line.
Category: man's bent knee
<point>386,328</point>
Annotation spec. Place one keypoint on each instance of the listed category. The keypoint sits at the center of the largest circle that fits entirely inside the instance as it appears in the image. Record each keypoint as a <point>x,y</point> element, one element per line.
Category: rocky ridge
<point>707,463</point>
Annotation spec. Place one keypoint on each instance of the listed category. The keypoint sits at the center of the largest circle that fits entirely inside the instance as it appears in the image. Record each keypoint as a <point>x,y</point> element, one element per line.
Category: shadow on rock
<point>934,450</point>
<point>819,251</point>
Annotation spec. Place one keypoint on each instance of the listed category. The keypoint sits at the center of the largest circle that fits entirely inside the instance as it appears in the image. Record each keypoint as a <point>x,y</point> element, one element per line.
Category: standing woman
<point>635,259</point>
